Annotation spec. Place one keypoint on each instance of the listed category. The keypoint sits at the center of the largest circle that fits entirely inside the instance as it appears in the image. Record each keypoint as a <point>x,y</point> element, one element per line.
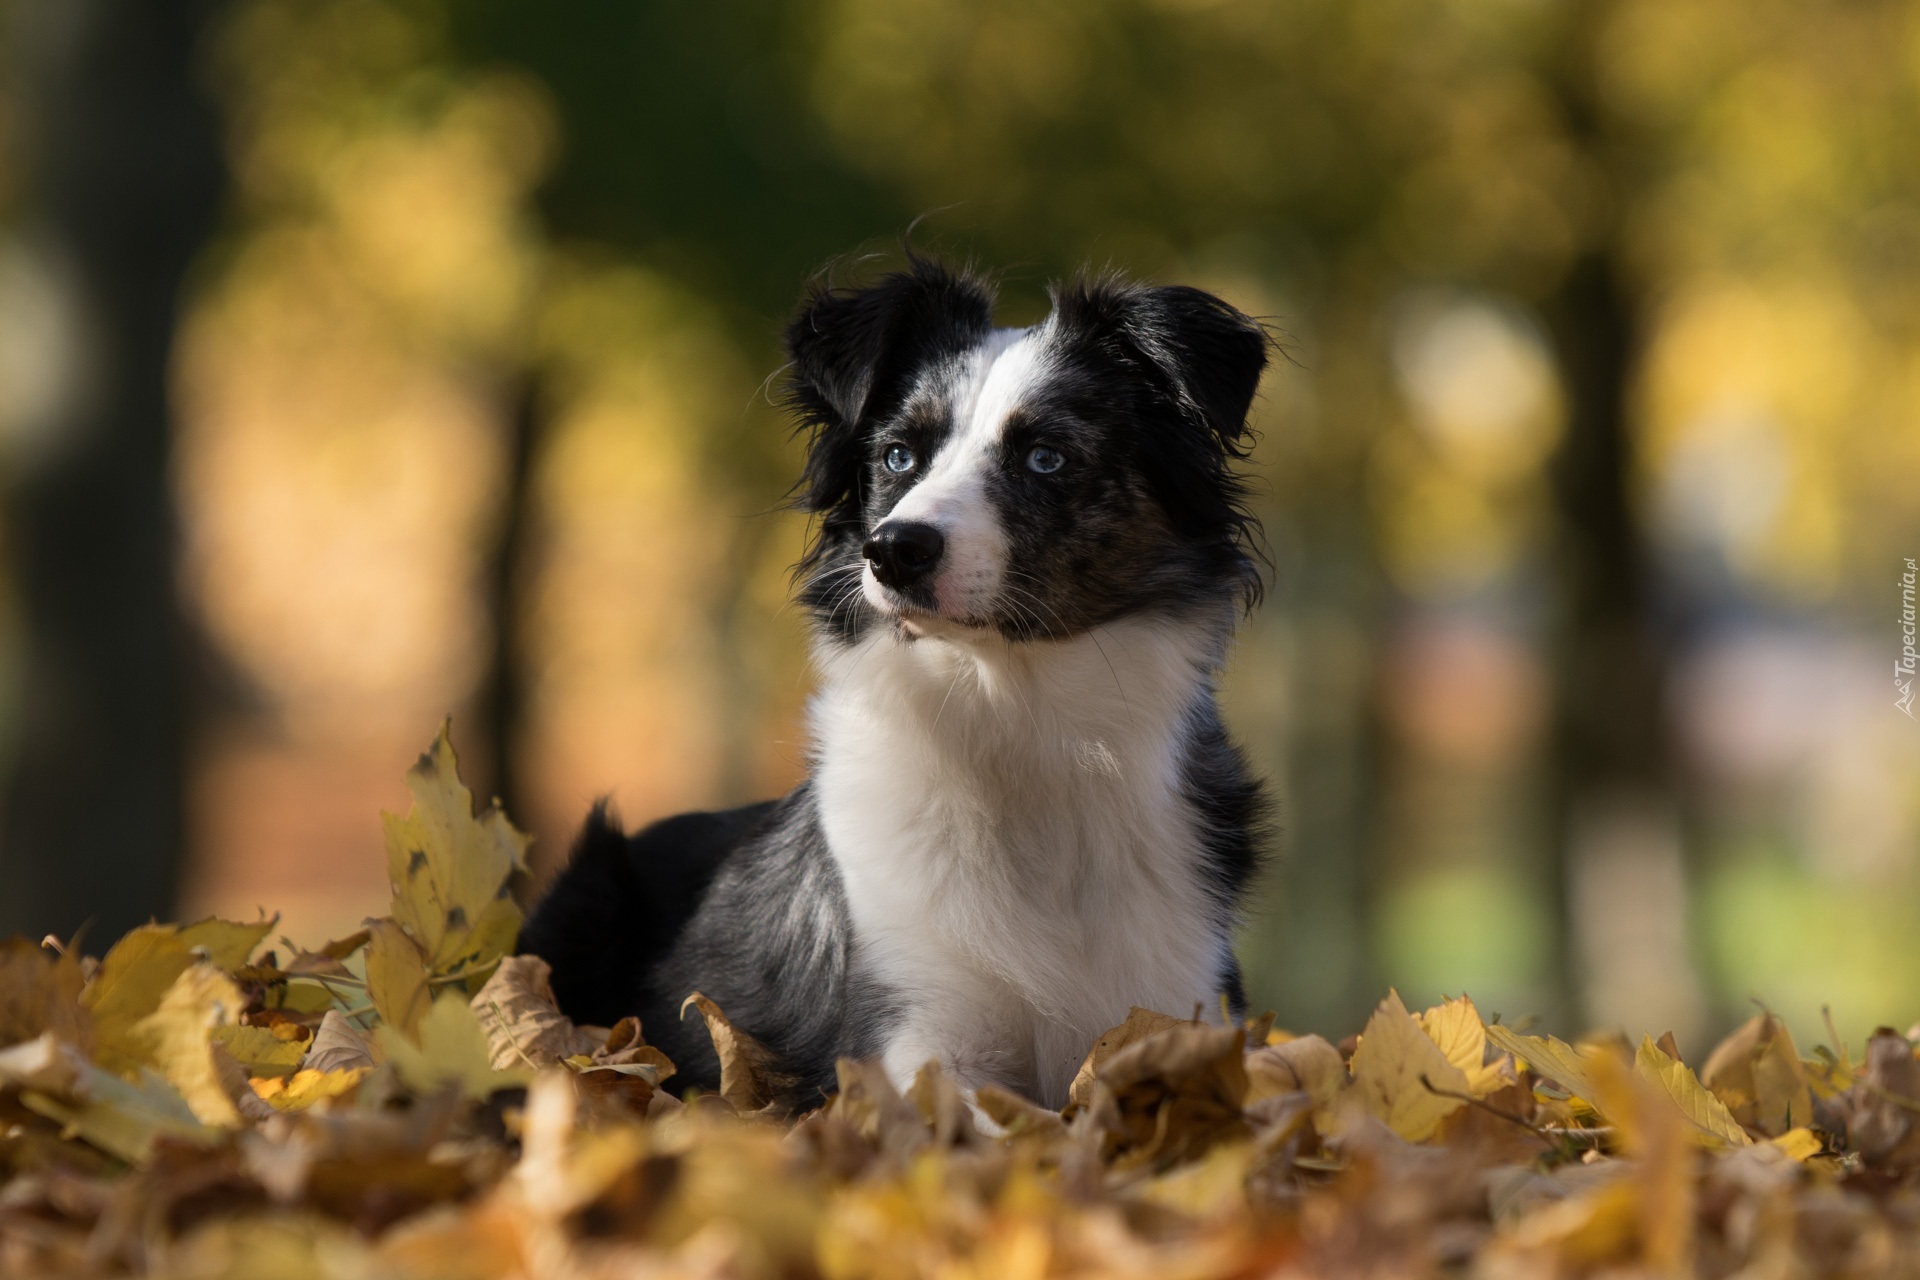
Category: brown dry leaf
<point>1882,1109</point>
<point>40,992</point>
<point>1140,1024</point>
<point>337,1046</point>
<point>1172,1095</point>
<point>448,1048</point>
<point>329,961</point>
<point>1305,1064</point>
<point>1704,1111</point>
<point>523,1024</point>
<point>750,1076</point>
<point>181,1048</point>
<point>397,978</point>
<point>1757,1073</point>
<point>305,1088</point>
<point>451,870</point>
<point>1397,1070</point>
<point>1456,1027</point>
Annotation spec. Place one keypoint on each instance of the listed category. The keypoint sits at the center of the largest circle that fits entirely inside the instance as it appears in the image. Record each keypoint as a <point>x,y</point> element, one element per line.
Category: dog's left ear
<point>1208,356</point>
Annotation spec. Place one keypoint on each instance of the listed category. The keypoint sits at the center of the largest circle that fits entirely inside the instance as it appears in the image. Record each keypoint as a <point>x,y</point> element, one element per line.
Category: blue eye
<point>899,458</point>
<point>1046,461</point>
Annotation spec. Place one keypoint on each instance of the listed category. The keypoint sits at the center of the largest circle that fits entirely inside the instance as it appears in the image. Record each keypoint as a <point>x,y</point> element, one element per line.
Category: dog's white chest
<point>1020,858</point>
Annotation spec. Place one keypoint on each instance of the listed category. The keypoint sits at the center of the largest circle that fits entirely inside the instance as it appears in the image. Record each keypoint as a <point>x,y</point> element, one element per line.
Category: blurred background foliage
<point>365,360</point>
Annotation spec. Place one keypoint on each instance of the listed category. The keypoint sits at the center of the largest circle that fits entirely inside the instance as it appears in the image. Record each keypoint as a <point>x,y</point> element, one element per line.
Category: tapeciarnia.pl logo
<point>1903,666</point>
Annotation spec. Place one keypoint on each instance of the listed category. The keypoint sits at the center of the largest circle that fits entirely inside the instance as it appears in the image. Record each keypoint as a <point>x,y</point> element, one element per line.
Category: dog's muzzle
<point>904,553</point>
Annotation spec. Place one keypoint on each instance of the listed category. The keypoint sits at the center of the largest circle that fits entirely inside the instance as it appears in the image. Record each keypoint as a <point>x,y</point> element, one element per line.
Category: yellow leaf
<point>132,978</point>
<point>1676,1080</point>
<point>1550,1057</point>
<point>396,977</point>
<point>227,943</point>
<point>304,1088</point>
<point>1455,1026</point>
<point>450,870</point>
<point>451,1049</point>
<point>180,1033</point>
<point>259,1050</point>
<point>1799,1144</point>
<point>1393,1069</point>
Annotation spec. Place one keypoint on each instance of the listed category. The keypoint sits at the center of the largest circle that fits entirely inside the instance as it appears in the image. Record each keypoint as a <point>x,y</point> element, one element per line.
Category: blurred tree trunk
<point>121,185</point>
<point>1609,744</point>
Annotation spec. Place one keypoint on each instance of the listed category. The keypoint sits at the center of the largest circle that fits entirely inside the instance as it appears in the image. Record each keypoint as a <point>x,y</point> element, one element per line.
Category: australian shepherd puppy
<point>1024,816</point>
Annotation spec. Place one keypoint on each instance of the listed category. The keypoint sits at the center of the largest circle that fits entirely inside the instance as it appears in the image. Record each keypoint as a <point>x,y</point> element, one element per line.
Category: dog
<point>1031,550</point>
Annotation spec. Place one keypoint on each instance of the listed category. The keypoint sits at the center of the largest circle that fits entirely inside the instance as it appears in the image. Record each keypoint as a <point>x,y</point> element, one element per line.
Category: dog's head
<point>1032,483</point>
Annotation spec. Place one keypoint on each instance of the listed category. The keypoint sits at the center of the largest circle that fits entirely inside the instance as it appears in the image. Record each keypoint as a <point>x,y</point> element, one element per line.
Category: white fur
<point>951,494</point>
<point>1009,824</point>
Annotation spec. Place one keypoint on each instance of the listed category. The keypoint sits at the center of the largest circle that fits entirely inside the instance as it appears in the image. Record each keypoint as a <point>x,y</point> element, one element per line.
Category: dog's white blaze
<point>952,495</point>
<point>1019,857</point>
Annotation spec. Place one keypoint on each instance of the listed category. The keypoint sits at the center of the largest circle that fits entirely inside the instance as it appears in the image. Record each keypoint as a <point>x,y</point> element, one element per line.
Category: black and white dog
<point>1024,814</point>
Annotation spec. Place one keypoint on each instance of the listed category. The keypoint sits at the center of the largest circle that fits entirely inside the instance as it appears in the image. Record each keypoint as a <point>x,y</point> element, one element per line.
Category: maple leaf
<point>1401,1077</point>
<point>451,870</point>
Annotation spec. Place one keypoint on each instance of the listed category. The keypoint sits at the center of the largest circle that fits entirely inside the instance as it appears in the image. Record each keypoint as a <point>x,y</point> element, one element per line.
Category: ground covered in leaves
<point>408,1102</point>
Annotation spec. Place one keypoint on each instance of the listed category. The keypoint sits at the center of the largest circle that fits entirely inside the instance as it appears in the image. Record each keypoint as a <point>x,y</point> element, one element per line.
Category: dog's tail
<point>616,910</point>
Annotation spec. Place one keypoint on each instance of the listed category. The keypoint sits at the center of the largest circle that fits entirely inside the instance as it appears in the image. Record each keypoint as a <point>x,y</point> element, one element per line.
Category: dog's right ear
<point>853,351</point>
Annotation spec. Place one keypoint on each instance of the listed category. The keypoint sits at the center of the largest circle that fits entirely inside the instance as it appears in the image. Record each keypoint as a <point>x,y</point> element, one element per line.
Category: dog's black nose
<point>903,552</point>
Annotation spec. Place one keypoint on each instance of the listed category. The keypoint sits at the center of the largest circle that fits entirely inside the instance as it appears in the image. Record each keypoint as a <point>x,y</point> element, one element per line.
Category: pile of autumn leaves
<point>408,1102</point>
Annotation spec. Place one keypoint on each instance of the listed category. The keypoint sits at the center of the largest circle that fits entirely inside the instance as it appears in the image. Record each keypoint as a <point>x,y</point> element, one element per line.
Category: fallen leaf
<point>1397,1070</point>
<point>1455,1026</point>
<point>179,1036</point>
<point>1757,1073</point>
<point>259,1050</point>
<point>1549,1057</point>
<point>133,976</point>
<point>337,1045</point>
<point>40,992</point>
<point>397,978</point>
<point>449,1048</point>
<point>524,1025</point>
<point>1171,1095</point>
<point>451,870</point>
<point>1140,1024</point>
<point>1799,1144</point>
<point>305,1088</point>
<point>1677,1081</point>
<point>750,1075</point>
<point>1305,1064</point>
<point>124,1118</point>
<point>226,943</point>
